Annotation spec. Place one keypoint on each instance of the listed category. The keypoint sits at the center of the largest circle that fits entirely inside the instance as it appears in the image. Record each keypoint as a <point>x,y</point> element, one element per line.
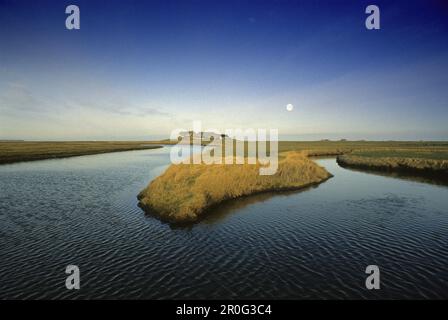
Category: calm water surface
<point>310,244</point>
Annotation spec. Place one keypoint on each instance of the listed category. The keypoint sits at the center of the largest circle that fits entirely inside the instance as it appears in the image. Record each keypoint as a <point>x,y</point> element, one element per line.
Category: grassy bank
<point>379,148</point>
<point>17,151</point>
<point>185,191</point>
<point>421,158</point>
<point>406,161</point>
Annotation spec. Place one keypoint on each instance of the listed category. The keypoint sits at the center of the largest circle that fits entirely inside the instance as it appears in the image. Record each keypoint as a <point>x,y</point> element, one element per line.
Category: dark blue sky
<point>139,68</point>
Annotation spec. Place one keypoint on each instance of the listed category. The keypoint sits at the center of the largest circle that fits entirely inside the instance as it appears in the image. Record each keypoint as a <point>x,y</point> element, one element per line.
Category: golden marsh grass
<point>185,191</point>
<point>409,164</point>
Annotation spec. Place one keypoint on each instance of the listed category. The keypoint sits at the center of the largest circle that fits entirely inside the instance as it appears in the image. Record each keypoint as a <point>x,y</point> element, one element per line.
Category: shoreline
<point>430,169</point>
<point>184,194</point>
<point>179,224</point>
<point>24,151</point>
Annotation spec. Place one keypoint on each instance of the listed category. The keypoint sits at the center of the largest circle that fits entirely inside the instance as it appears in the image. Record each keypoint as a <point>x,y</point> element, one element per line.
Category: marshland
<point>18,151</point>
<point>294,244</point>
<point>140,226</point>
<point>184,192</point>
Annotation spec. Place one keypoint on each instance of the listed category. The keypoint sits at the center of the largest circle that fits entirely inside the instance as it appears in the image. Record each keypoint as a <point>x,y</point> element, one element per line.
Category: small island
<point>186,191</point>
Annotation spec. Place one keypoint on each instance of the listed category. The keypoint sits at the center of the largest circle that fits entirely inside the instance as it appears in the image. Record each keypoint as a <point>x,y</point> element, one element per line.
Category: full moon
<point>289,107</point>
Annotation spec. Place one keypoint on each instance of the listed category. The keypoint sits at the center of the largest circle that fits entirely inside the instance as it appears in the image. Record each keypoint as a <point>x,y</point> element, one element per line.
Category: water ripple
<point>299,245</point>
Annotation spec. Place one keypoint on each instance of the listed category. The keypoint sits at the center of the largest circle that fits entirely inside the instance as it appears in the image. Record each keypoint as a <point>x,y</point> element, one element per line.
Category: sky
<point>140,69</point>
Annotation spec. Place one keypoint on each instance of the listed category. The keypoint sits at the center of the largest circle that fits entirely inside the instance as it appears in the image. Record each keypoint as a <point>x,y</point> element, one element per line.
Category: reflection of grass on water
<point>186,191</point>
<point>225,209</point>
<point>434,179</point>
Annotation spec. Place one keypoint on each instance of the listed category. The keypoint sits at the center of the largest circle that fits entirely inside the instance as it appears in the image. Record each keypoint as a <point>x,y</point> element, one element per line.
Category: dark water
<point>311,244</point>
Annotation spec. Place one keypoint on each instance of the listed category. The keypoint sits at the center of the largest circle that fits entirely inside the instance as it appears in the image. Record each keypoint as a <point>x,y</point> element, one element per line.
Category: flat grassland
<point>430,149</point>
<point>185,191</point>
<point>17,151</point>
